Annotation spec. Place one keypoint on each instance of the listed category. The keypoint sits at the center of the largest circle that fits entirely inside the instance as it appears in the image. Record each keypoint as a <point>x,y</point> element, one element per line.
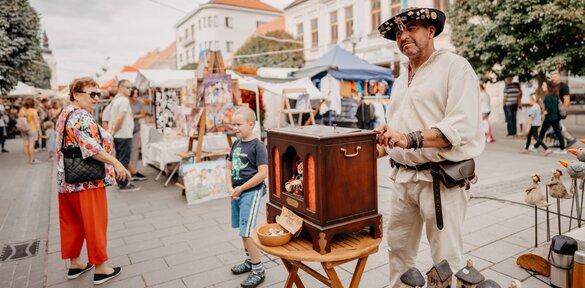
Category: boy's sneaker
<point>561,151</point>
<point>138,177</point>
<point>129,188</point>
<point>253,280</point>
<point>532,149</point>
<point>242,268</point>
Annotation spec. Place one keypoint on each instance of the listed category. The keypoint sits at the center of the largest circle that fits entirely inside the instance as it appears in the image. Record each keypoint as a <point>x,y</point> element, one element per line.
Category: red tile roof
<point>150,59</point>
<point>295,3</point>
<point>250,4</point>
<point>274,25</point>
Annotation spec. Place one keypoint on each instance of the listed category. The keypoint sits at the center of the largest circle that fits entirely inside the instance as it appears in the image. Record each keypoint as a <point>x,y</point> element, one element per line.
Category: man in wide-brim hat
<point>434,116</point>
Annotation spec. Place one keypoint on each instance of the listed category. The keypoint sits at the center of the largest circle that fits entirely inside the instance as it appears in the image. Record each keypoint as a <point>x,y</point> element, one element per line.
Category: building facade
<point>220,25</point>
<point>50,60</point>
<point>352,24</point>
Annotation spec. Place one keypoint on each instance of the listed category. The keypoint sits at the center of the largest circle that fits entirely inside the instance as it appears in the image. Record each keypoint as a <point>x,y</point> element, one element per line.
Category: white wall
<point>244,23</point>
<point>369,45</point>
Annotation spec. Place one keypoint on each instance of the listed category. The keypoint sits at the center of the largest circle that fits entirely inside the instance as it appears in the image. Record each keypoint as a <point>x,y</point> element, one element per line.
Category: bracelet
<point>421,138</point>
<point>415,140</point>
<point>408,141</point>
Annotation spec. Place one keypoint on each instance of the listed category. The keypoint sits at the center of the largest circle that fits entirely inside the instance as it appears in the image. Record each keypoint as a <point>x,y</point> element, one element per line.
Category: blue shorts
<point>245,211</point>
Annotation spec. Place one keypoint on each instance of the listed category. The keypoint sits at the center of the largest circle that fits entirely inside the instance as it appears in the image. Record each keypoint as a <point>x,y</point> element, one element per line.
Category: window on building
<point>314,33</point>
<point>229,46</point>
<point>187,56</point>
<point>180,58</point>
<point>180,39</point>
<point>300,32</point>
<point>333,16</point>
<point>186,34</point>
<point>394,7</point>
<point>229,22</point>
<point>442,4</point>
<point>348,22</point>
<point>375,13</point>
<point>258,23</point>
<point>199,22</point>
<point>193,31</point>
<point>209,24</point>
<point>194,53</point>
<point>204,23</point>
<point>215,21</point>
<point>216,45</point>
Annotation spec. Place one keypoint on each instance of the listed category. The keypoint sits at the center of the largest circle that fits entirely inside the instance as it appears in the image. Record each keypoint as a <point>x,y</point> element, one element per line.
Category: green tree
<point>20,50</point>
<point>503,38</point>
<point>262,44</point>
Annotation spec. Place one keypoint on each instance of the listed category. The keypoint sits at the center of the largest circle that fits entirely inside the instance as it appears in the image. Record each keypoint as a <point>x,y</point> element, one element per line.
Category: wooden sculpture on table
<point>575,169</point>
<point>534,196</point>
<point>515,284</point>
<point>468,276</point>
<point>579,153</point>
<point>412,278</point>
<point>489,284</point>
<point>557,189</point>
<point>440,275</point>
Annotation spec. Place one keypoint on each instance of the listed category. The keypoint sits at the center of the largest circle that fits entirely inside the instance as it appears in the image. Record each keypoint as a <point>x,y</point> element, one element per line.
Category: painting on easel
<point>216,88</point>
<point>218,117</point>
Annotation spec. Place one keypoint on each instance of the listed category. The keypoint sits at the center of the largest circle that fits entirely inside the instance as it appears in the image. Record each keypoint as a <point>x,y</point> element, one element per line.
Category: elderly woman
<point>83,208</point>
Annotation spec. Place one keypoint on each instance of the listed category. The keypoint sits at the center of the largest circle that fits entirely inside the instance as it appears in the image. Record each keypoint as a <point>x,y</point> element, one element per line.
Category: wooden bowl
<point>272,240</point>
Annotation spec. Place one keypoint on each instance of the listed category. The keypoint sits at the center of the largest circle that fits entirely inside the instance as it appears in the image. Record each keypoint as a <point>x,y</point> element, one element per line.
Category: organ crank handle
<point>357,152</point>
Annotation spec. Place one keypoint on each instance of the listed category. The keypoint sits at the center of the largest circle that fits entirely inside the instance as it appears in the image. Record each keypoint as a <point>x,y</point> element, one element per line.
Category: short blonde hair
<point>80,84</point>
<point>247,113</point>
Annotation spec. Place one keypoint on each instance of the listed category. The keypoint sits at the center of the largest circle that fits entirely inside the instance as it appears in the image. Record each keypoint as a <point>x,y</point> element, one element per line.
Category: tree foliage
<point>20,49</point>
<point>260,45</point>
<point>503,38</point>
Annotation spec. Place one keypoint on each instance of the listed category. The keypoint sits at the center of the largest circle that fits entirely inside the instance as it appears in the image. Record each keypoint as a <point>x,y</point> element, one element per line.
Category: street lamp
<point>354,40</point>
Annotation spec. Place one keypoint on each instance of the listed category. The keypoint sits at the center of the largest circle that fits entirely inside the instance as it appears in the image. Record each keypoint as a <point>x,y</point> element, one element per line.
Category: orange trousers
<point>84,216</point>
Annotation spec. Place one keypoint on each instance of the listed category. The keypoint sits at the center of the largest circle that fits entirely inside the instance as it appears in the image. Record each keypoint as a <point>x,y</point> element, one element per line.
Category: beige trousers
<point>412,205</point>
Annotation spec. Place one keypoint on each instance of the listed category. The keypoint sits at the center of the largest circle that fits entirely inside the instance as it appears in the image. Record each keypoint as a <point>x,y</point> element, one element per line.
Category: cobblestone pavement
<point>161,242</point>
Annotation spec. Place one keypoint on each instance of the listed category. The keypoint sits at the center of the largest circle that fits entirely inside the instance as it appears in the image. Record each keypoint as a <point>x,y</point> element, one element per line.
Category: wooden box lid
<point>322,132</point>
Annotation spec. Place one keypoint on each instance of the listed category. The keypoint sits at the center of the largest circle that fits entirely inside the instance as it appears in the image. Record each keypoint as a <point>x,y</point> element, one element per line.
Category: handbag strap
<point>65,131</point>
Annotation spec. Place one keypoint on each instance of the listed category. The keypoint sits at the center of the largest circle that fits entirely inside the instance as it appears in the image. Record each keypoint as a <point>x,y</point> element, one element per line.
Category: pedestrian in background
<point>534,121</point>
<point>565,97</point>
<point>121,125</point>
<point>4,119</point>
<point>512,100</point>
<point>552,118</point>
<point>486,109</point>
<point>138,114</point>
<point>50,138</point>
<point>30,129</point>
<point>83,207</point>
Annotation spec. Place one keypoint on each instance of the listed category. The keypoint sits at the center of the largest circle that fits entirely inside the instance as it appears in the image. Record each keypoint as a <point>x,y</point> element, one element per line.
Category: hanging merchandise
<point>164,103</point>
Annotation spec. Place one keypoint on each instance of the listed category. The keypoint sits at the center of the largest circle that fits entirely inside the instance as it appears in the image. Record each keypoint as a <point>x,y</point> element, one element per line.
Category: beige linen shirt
<point>444,94</point>
<point>121,103</point>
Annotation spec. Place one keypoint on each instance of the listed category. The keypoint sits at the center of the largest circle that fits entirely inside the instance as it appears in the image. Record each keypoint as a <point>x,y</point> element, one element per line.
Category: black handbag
<point>78,169</point>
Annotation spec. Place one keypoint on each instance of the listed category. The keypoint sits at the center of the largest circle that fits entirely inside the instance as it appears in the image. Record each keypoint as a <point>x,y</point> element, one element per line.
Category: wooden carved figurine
<point>576,169</point>
<point>534,195</point>
<point>489,284</point>
<point>295,184</point>
<point>468,276</point>
<point>515,284</point>
<point>412,278</point>
<point>556,188</point>
<point>579,153</point>
<point>440,275</point>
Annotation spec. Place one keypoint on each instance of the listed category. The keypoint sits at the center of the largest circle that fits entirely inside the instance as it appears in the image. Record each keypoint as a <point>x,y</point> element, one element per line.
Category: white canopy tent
<point>163,78</point>
<point>22,89</point>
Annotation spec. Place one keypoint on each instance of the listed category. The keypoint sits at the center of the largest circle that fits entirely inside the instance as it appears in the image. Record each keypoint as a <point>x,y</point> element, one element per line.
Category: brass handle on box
<point>357,152</point>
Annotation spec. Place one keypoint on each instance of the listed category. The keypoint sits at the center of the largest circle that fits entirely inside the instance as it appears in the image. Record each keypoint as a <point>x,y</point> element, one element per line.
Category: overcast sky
<point>90,34</point>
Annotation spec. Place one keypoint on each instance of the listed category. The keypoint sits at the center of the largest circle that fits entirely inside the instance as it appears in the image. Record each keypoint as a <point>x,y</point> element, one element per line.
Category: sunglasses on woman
<point>92,94</point>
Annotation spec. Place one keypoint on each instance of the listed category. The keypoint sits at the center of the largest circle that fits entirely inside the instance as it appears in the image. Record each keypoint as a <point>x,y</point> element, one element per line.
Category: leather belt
<point>435,172</point>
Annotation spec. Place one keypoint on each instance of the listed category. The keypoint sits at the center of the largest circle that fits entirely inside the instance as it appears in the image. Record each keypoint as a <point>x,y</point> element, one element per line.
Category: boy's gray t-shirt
<point>534,112</point>
<point>245,158</point>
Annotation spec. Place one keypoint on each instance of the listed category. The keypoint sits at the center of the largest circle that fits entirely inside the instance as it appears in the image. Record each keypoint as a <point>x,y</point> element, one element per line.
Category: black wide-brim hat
<point>434,16</point>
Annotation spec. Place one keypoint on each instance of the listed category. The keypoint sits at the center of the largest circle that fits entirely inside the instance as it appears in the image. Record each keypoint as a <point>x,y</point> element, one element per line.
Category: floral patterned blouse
<point>82,132</point>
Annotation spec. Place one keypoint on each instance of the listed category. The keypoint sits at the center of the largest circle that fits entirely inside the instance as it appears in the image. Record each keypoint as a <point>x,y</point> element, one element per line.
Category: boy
<point>247,167</point>
<point>534,121</point>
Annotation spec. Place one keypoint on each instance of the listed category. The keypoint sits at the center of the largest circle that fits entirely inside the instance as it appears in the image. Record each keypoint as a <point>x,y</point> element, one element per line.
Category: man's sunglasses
<point>92,94</point>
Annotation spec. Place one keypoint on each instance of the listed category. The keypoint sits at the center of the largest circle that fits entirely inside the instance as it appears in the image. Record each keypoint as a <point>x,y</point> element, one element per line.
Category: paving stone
<point>500,278</point>
<point>199,267</point>
<point>135,247</point>
<point>504,250</point>
<point>510,268</point>
<point>171,284</point>
<point>155,234</point>
<point>159,252</point>
<point>134,282</point>
<point>130,231</point>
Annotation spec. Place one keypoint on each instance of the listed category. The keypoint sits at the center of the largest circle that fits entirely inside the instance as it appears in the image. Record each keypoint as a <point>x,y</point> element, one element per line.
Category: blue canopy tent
<point>343,65</point>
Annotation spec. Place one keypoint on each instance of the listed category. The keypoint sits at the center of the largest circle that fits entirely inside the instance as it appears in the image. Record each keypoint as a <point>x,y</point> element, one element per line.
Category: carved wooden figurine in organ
<point>336,168</point>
